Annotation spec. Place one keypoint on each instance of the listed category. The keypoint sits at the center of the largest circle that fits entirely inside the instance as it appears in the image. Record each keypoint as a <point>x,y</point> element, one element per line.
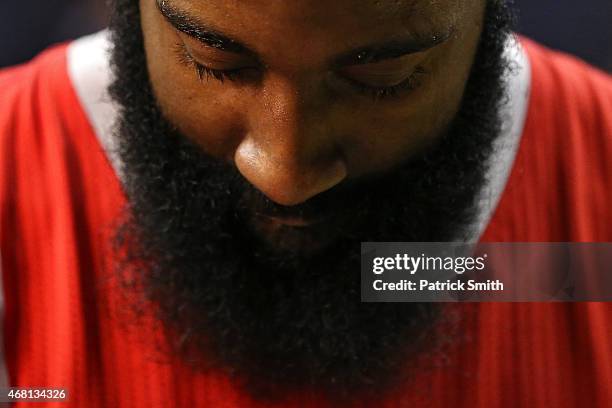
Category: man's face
<point>262,141</point>
<point>302,95</point>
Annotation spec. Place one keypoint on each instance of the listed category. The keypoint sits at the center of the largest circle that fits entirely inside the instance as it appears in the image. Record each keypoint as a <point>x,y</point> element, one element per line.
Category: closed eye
<point>382,80</point>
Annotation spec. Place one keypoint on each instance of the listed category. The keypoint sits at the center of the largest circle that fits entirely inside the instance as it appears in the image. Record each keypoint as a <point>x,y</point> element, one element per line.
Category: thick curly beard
<point>280,322</point>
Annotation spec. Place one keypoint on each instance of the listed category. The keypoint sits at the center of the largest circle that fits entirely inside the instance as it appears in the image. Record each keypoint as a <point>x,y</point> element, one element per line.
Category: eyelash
<point>203,72</point>
<point>376,93</point>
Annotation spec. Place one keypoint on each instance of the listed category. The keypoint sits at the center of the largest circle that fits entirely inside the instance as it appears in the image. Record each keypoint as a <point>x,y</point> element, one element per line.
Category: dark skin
<point>313,93</point>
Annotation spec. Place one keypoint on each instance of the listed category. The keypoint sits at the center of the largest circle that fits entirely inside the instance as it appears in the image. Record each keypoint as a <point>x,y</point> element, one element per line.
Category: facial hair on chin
<point>244,306</point>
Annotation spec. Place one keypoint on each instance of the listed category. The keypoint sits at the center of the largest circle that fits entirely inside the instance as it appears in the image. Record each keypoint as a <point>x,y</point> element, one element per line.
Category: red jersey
<point>60,196</point>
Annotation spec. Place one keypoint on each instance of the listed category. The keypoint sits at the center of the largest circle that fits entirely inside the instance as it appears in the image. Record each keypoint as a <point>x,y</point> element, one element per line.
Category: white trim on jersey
<point>90,74</point>
<point>506,146</point>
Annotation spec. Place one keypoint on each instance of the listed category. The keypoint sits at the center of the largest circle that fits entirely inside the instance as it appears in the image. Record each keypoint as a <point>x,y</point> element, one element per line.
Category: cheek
<point>209,118</point>
<point>384,137</point>
<point>381,138</point>
<point>213,124</point>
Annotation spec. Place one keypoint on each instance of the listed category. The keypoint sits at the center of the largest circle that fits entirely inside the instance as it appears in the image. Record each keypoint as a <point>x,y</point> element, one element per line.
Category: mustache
<point>347,197</point>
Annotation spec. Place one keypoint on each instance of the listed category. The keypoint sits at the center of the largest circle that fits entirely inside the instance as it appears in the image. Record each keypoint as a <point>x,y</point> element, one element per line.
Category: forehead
<point>326,26</point>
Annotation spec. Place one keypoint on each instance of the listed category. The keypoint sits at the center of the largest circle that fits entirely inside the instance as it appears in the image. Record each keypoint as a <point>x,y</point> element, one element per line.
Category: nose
<point>289,152</point>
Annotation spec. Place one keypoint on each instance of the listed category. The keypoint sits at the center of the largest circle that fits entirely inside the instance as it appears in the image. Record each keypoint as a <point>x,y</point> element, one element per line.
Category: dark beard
<point>278,321</point>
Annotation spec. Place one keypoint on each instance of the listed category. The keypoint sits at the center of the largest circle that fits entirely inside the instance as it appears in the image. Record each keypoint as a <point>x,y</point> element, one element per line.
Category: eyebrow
<point>392,49</point>
<point>209,36</point>
<point>193,27</point>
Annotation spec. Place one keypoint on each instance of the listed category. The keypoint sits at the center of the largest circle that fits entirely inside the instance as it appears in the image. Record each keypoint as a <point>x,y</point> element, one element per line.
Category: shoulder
<point>561,181</point>
<point>558,65</point>
<point>37,98</point>
<point>47,98</point>
<point>28,101</point>
<point>43,126</point>
<point>566,90</point>
<point>42,83</point>
<point>570,113</point>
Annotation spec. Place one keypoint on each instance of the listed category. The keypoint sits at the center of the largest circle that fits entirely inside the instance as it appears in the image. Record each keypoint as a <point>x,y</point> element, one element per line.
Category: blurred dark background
<point>29,26</point>
<point>581,28</point>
